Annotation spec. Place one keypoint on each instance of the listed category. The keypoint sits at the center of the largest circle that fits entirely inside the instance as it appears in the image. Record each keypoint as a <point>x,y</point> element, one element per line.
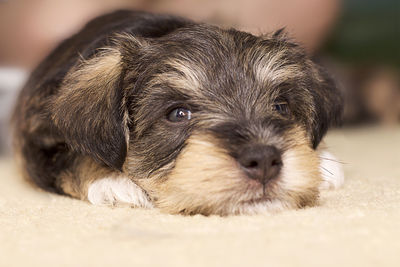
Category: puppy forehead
<point>229,63</point>
<point>226,72</point>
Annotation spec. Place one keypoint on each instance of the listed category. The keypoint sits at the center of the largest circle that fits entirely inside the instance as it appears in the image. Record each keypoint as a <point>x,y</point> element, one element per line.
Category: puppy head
<point>205,120</point>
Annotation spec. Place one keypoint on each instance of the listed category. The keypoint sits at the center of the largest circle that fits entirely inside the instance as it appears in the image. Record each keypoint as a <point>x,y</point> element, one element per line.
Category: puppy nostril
<point>276,162</point>
<point>260,162</point>
<point>252,164</point>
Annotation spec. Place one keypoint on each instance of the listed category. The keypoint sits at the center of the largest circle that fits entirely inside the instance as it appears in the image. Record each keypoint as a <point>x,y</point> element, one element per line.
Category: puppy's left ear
<point>328,101</point>
<point>89,109</point>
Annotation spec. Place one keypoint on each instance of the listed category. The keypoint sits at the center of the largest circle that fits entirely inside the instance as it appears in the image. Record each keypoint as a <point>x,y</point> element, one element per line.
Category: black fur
<point>53,134</point>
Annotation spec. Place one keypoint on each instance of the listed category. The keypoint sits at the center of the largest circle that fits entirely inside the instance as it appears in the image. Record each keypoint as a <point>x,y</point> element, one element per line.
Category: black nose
<point>260,162</point>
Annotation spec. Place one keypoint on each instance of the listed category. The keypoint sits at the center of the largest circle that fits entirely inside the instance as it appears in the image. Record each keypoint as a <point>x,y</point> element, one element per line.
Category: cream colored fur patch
<point>117,191</point>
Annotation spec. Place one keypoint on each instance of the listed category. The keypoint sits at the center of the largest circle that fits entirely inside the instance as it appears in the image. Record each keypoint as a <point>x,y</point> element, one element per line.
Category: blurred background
<point>358,40</point>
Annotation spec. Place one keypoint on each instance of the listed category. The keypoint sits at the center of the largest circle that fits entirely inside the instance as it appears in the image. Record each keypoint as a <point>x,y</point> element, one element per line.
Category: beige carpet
<point>357,225</point>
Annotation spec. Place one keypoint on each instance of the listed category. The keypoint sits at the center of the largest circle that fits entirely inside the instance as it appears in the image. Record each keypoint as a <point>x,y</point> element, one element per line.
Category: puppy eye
<point>281,107</point>
<point>179,114</point>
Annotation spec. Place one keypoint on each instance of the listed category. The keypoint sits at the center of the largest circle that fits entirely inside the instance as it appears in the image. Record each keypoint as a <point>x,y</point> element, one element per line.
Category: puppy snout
<point>260,162</point>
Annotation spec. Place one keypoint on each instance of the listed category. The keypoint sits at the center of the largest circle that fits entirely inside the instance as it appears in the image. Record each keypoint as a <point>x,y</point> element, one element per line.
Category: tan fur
<point>201,170</point>
<point>272,68</point>
<point>103,69</point>
<point>92,80</point>
<point>207,180</point>
<point>76,184</point>
<point>300,175</point>
<point>190,77</point>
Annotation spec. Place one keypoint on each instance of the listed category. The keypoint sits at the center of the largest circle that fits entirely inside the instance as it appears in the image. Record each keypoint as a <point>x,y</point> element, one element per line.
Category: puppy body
<point>155,110</point>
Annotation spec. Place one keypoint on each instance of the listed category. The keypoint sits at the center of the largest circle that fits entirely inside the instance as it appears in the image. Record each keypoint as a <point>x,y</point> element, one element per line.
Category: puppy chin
<point>263,207</point>
<point>207,180</point>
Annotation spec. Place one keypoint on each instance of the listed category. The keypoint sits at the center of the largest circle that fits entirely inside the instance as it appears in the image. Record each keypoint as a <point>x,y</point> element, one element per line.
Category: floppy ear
<point>328,101</point>
<point>89,109</point>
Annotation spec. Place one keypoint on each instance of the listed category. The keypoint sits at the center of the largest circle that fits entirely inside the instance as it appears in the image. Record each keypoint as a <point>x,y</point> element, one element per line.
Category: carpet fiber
<point>356,225</point>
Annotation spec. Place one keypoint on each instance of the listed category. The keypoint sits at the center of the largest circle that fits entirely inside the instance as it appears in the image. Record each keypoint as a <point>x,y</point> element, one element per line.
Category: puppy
<point>158,111</point>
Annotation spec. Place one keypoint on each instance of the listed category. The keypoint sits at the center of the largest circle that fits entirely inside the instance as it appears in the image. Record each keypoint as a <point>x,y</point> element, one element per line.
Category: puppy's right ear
<point>90,108</point>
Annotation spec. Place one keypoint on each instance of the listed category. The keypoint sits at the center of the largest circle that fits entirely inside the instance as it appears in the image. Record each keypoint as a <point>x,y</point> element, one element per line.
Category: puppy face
<point>206,120</point>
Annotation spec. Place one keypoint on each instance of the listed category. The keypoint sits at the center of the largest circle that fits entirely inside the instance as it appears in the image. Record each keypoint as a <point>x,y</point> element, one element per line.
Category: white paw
<point>116,191</point>
<point>332,171</point>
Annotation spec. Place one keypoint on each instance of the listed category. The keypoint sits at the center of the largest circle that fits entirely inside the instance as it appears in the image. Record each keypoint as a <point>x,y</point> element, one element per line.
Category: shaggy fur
<point>100,106</point>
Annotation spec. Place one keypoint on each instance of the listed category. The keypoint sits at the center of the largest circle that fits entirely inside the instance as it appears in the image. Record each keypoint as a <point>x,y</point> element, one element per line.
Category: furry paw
<point>332,171</point>
<point>117,191</point>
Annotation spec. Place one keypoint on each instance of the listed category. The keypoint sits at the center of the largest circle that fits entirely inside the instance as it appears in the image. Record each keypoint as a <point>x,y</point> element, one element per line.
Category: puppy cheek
<point>205,180</point>
<point>300,175</point>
